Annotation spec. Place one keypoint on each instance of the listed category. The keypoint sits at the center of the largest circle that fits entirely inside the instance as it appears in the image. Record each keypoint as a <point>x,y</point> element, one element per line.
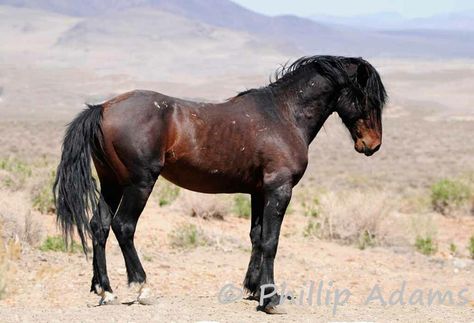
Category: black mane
<point>333,68</point>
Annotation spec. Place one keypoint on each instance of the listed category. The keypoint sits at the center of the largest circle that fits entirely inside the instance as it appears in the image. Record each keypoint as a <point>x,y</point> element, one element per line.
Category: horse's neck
<point>310,114</point>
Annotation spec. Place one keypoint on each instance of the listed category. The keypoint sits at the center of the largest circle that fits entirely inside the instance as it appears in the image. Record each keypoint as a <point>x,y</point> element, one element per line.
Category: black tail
<point>75,190</point>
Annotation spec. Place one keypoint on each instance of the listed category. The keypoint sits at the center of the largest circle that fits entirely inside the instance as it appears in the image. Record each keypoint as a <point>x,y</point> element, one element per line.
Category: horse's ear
<point>362,75</point>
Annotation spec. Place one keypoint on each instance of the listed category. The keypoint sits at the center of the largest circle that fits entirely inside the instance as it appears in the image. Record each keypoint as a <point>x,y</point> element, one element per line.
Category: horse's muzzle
<point>367,148</point>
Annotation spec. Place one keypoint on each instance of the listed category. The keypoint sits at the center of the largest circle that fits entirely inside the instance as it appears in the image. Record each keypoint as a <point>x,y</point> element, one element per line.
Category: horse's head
<point>360,106</point>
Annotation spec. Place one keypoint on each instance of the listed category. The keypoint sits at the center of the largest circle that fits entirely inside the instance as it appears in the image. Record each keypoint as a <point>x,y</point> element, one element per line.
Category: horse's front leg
<point>277,197</point>
<point>252,278</point>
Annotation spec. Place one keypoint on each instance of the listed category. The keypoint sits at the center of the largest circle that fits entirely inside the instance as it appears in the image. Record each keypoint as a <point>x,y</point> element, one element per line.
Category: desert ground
<point>354,223</point>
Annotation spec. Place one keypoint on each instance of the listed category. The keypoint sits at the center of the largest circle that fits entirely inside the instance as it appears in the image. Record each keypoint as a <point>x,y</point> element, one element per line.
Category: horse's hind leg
<point>111,194</point>
<point>252,278</point>
<point>124,223</point>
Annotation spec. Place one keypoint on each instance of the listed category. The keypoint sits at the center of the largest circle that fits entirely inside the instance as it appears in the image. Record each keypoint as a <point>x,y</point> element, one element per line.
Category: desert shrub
<point>426,245</point>
<point>311,207</point>
<point>18,221</point>
<point>366,239</point>
<point>242,206</point>
<point>453,249</point>
<point>15,174</point>
<point>165,192</point>
<point>10,251</point>
<point>56,243</point>
<point>43,199</point>
<point>470,247</point>
<point>362,218</point>
<point>3,279</point>
<point>414,201</point>
<point>448,195</point>
<point>31,231</point>
<point>3,269</point>
<point>312,229</point>
<point>203,206</point>
<point>16,166</point>
<point>187,236</point>
<point>423,230</point>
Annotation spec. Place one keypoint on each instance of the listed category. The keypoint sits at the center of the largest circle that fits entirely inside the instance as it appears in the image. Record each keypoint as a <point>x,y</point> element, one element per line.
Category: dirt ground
<point>51,286</point>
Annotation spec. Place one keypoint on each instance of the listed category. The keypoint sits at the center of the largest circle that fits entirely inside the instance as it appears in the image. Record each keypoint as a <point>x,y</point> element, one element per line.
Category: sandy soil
<point>54,286</point>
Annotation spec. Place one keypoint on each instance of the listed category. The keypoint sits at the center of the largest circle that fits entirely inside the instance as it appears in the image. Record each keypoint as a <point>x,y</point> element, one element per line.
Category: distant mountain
<point>460,21</point>
<point>382,20</point>
<point>296,34</point>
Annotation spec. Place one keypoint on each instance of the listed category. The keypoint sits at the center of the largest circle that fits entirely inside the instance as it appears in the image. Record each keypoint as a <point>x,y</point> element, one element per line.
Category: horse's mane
<point>334,69</point>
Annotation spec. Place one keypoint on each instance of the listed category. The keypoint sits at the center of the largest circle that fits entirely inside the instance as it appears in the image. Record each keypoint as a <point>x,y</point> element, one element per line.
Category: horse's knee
<point>122,230</point>
<point>255,235</point>
<point>99,229</point>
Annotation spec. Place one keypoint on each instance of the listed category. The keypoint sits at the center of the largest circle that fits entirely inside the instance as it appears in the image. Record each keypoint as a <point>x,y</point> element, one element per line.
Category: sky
<point>407,8</point>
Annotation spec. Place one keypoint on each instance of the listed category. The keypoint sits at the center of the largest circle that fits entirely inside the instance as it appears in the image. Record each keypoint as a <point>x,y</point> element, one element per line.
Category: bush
<point>362,218</point>
<point>165,192</point>
<point>3,278</point>
<point>312,229</point>
<point>57,244</point>
<point>242,206</point>
<point>448,195</point>
<point>471,247</point>
<point>366,239</point>
<point>311,207</point>
<point>3,267</point>
<point>15,166</point>
<point>426,246</point>
<point>16,173</point>
<point>10,252</point>
<point>18,222</point>
<point>453,249</point>
<point>188,236</point>
<point>204,206</point>
<point>43,199</point>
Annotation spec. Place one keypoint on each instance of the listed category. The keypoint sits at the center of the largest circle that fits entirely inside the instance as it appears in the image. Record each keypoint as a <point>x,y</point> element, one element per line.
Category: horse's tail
<point>76,195</point>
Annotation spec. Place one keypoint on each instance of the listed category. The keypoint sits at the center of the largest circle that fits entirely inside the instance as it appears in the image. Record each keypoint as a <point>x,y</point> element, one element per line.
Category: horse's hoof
<point>253,297</point>
<point>146,297</point>
<point>275,309</point>
<point>108,299</point>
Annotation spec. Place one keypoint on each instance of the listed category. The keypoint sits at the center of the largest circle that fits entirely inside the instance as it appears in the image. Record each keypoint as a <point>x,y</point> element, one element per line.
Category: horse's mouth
<point>362,149</point>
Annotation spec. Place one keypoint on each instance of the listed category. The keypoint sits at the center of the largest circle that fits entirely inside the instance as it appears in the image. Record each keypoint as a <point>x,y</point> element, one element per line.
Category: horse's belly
<point>212,180</point>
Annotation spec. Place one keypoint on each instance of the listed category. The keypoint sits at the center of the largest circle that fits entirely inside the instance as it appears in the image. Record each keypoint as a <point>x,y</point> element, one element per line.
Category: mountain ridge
<point>298,34</point>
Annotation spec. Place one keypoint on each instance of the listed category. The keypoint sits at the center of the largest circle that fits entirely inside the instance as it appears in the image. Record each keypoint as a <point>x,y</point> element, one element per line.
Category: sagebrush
<point>449,195</point>
<point>187,236</point>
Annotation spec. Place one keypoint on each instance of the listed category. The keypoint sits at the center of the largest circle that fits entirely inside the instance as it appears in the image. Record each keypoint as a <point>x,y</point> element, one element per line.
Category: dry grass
<point>188,236</point>
<point>10,252</point>
<point>42,194</point>
<point>423,225</point>
<point>18,221</point>
<point>362,218</point>
<point>203,206</point>
<point>164,192</point>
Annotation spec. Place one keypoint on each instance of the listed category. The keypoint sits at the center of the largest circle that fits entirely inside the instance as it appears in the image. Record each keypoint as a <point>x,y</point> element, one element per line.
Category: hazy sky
<point>408,8</point>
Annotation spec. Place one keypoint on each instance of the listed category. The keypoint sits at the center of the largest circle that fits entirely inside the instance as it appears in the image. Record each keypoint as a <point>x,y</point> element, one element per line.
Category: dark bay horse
<point>256,143</point>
